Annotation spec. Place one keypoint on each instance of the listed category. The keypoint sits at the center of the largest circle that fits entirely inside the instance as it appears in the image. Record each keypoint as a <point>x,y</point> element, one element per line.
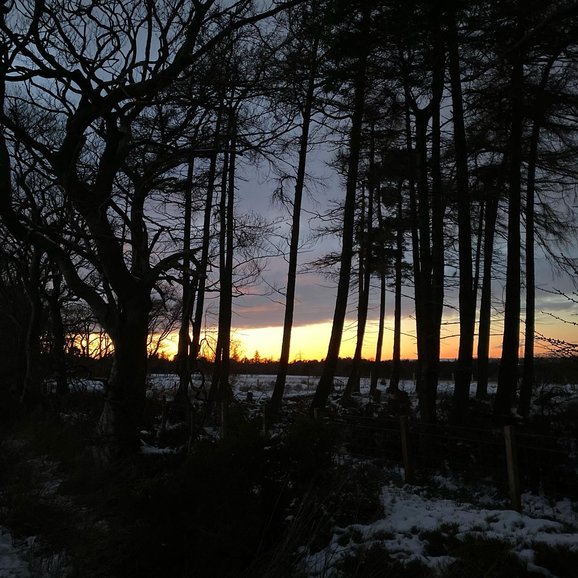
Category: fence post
<point>316,413</point>
<point>405,449</point>
<point>512,464</point>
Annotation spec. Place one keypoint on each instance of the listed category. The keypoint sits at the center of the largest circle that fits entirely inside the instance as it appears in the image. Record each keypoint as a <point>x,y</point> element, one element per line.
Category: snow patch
<point>12,564</point>
<point>407,516</point>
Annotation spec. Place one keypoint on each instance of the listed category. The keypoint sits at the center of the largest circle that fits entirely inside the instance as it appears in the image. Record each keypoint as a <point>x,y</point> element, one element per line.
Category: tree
<point>467,298</point>
<point>94,73</point>
<point>306,92</point>
<point>527,32</point>
<point>423,94</point>
<point>325,384</point>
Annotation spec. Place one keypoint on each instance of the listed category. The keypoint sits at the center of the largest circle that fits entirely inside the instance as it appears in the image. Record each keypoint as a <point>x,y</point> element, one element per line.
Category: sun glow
<point>309,342</point>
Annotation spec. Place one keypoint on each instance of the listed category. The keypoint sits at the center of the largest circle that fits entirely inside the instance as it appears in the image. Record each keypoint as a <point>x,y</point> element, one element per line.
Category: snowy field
<point>261,386</point>
<point>549,398</point>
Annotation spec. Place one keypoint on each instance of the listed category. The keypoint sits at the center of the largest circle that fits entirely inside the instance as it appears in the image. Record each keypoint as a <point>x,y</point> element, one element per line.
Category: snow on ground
<point>409,516</point>
<point>12,564</point>
<point>261,386</point>
<point>149,450</point>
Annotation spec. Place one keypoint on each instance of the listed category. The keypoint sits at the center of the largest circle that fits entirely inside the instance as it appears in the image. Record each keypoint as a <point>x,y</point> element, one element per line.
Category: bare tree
<point>94,71</point>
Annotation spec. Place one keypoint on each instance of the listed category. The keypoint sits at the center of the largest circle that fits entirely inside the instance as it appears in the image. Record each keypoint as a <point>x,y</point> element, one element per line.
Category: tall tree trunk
<point>58,333</point>
<point>396,354</point>
<point>479,248</point>
<point>325,384</point>
<point>220,386</point>
<point>486,296</point>
<point>279,388</point>
<point>423,286</point>
<point>365,269</point>
<point>213,394</point>
<point>376,367</point>
<point>528,371</point>
<point>415,246</point>
<point>204,261</point>
<point>120,421</point>
<point>225,386</point>
<point>428,277</point>
<point>435,303</point>
<point>184,342</point>
<point>508,374</point>
<point>467,303</point>
<point>32,391</point>
<point>353,382</point>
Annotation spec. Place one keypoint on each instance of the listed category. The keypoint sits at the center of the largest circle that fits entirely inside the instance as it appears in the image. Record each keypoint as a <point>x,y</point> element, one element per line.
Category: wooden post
<point>405,449</point>
<point>512,463</point>
<point>316,413</point>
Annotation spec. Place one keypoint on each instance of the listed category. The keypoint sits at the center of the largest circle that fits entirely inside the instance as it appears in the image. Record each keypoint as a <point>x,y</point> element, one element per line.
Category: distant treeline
<point>548,369</point>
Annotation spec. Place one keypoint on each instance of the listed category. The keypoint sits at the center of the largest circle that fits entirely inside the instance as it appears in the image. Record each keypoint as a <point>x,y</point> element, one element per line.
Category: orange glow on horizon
<point>309,342</point>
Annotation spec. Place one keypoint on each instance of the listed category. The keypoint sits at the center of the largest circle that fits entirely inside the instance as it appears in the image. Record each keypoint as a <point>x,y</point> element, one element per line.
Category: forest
<point>131,129</point>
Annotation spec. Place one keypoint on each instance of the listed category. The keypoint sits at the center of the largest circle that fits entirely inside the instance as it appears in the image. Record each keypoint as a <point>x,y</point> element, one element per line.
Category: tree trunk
<point>183,359</point>
<point>31,393</point>
<point>204,262</point>
<point>423,287</point>
<point>528,371</point>
<point>428,277</point>
<point>376,368</point>
<point>220,387</point>
<point>396,353</point>
<point>508,374</point>
<point>120,421</point>
<point>325,384</point>
<point>467,303</point>
<point>435,302</point>
<point>58,334</point>
<point>279,388</point>
<point>415,247</point>
<point>486,297</point>
<point>366,243</point>
<point>479,248</point>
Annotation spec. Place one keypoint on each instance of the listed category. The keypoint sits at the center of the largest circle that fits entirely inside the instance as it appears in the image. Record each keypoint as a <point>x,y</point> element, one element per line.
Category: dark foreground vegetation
<point>252,504</point>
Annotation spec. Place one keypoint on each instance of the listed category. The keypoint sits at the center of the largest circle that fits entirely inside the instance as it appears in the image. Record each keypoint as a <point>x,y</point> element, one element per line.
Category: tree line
<point>126,127</point>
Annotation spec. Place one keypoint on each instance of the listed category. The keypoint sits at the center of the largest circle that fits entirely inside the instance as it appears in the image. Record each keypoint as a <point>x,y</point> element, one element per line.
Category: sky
<point>258,316</point>
<point>258,320</point>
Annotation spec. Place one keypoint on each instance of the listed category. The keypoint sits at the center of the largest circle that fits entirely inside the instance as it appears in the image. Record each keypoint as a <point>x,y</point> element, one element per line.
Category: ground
<point>363,520</point>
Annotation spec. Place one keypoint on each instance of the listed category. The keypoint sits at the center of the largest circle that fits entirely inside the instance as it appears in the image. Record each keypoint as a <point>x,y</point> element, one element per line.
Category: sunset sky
<point>258,320</point>
<point>258,323</point>
<point>258,313</point>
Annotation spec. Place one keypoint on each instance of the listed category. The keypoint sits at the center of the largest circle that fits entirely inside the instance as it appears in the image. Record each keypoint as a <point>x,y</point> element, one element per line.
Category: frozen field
<point>261,386</point>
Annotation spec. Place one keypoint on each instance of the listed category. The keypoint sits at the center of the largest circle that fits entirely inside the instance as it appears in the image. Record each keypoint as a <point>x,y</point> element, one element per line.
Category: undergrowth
<point>244,506</point>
